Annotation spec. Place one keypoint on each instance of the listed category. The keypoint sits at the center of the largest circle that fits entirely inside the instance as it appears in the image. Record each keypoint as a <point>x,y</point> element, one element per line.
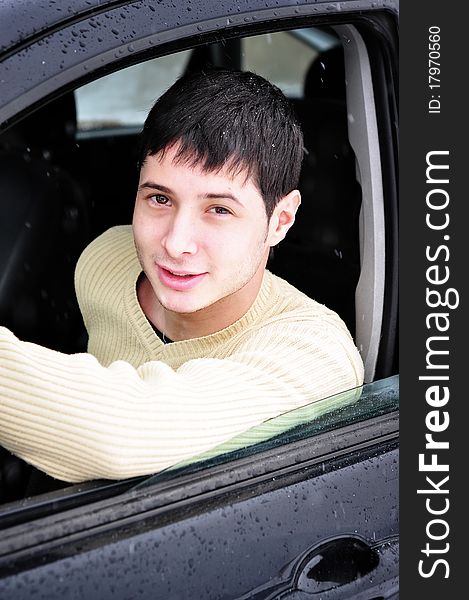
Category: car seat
<point>43,229</point>
<point>320,254</point>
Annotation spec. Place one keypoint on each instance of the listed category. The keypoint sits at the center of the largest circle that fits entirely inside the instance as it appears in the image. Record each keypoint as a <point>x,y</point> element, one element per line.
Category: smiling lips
<point>179,280</point>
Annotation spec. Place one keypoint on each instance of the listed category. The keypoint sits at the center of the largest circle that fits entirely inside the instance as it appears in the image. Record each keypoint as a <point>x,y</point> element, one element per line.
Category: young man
<point>191,340</point>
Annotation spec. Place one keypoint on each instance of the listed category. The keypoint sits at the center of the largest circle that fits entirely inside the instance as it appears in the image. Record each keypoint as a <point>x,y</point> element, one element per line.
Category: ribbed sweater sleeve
<point>78,420</point>
<point>93,415</point>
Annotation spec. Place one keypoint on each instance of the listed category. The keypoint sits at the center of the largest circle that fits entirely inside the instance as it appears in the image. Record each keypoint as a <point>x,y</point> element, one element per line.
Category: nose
<point>180,236</point>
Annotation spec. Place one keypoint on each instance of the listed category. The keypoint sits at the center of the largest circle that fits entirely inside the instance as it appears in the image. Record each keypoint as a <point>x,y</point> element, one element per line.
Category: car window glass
<point>270,55</point>
<point>125,97</point>
<point>340,410</point>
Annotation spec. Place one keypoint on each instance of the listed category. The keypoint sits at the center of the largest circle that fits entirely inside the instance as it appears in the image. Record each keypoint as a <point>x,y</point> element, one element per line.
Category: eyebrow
<point>154,186</point>
<point>209,196</point>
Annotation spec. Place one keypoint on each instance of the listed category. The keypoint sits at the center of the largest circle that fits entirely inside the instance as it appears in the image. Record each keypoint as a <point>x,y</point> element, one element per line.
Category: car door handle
<point>339,568</point>
<point>348,567</point>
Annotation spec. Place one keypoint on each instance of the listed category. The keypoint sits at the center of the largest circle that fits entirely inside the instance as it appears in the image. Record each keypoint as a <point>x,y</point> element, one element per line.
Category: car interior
<point>61,187</point>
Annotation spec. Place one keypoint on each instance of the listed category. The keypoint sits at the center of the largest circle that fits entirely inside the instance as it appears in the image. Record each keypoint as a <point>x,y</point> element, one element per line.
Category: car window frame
<point>363,136</point>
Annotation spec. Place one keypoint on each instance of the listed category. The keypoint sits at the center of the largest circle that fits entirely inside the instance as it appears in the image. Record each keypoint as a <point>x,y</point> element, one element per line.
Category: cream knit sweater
<point>133,405</point>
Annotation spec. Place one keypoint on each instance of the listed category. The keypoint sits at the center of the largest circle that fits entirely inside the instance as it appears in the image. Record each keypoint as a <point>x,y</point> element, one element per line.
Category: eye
<point>159,199</point>
<point>220,210</point>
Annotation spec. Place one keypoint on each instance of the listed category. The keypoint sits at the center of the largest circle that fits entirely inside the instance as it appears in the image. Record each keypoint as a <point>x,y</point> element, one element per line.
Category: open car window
<point>334,253</point>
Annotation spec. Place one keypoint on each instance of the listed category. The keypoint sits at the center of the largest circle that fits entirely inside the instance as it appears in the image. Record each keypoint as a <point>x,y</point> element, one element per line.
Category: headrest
<point>326,76</point>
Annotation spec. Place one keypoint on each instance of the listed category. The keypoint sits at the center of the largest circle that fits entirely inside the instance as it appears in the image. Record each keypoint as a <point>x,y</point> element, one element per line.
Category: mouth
<point>179,280</point>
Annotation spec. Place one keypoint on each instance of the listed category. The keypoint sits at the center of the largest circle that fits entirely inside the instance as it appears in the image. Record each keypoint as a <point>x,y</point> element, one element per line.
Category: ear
<point>283,217</point>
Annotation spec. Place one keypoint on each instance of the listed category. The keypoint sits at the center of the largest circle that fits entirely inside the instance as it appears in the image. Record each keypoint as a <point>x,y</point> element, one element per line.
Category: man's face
<point>202,238</point>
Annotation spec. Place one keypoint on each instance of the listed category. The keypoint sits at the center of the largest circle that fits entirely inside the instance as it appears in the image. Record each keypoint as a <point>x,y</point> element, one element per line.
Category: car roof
<point>23,19</point>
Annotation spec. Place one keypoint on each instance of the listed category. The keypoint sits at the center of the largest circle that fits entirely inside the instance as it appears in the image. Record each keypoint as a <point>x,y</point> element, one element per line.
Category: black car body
<point>313,511</point>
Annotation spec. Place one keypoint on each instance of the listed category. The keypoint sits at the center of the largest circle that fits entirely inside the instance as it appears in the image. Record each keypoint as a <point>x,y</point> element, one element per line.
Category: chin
<point>181,305</point>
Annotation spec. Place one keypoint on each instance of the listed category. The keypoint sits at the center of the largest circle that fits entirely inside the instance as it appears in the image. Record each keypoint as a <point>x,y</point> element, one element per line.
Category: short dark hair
<point>226,117</point>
